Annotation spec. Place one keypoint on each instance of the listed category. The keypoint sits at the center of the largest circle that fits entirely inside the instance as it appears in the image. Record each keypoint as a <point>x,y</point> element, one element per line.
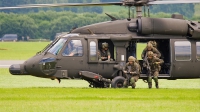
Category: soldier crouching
<point>132,72</point>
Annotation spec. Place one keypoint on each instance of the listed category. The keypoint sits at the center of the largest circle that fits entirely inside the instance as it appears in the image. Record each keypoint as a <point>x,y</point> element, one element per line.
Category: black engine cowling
<point>168,26</point>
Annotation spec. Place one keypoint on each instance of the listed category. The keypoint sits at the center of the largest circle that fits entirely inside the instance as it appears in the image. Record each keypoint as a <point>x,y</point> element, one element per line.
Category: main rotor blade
<point>61,5</point>
<point>124,2</point>
<point>174,2</point>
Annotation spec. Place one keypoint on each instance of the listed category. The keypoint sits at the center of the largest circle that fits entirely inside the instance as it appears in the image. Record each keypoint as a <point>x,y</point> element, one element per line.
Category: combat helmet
<point>150,54</point>
<point>149,45</point>
<point>104,45</point>
<point>131,58</point>
<point>154,44</point>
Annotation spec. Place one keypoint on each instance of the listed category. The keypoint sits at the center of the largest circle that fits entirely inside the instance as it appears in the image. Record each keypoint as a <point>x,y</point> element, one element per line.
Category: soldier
<point>152,64</point>
<point>150,47</point>
<point>154,44</point>
<point>104,53</point>
<point>133,69</point>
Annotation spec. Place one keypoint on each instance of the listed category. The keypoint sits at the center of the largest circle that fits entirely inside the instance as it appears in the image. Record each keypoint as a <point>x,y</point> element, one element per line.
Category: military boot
<point>156,82</point>
<point>157,86</point>
<point>125,84</point>
<point>150,85</point>
<point>133,86</point>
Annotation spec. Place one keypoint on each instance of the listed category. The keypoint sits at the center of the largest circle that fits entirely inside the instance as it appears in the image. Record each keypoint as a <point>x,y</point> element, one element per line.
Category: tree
<point>184,9</point>
<point>27,26</point>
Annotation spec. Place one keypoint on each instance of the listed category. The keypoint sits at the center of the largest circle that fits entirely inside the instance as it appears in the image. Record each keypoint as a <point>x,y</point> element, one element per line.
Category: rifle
<point>128,75</point>
<point>147,66</point>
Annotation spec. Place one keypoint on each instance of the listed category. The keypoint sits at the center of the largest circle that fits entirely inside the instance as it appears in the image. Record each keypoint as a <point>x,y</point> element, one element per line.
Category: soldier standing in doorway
<point>150,47</point>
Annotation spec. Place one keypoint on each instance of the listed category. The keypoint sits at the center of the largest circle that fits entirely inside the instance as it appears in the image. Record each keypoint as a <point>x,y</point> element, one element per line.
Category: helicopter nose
<point>17,69</point>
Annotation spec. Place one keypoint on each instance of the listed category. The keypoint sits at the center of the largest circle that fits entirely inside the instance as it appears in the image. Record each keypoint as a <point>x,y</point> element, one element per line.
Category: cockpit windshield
<point>55,49</point>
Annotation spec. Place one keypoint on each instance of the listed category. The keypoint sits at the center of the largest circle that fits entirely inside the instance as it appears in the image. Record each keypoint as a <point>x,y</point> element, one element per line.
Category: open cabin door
<point>163,47</point>
<point>185,61</point>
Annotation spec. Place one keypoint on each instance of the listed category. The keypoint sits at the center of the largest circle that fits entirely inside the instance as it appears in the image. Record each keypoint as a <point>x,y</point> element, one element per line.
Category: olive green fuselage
<point>178,41</point>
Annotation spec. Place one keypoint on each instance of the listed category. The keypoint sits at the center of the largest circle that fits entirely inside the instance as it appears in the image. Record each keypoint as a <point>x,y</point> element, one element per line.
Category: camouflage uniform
<point>103,53</point>
<point>134,72</point>
<point>154,50</point>
<point>154,64</point>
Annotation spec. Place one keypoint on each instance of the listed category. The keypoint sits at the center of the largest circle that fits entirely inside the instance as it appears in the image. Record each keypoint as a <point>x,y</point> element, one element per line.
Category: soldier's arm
<point>73,52</point>
<point>125,68</point>
<point>109,54</point>
<point>143,53</point>
<point>157,53</point>
<point>137,70</point>
<point>99,54</point>
<point>159,61</point>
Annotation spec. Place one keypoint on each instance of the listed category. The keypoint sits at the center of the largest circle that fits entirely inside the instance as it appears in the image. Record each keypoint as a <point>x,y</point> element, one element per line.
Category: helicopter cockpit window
<point>93,51</point>
<point>73,48</point>
<point>55,49</point>
<point>183,51</point>
<point>198,50</point>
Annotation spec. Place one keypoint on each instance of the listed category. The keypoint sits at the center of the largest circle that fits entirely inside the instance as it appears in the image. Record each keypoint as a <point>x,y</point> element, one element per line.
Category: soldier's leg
<point>133,81</point>
<point>125,84</point>
<point>155,77</point>
<point>150,82</point>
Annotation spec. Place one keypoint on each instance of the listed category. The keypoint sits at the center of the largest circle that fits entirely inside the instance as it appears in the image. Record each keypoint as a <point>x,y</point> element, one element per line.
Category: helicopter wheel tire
<point>117,82</point>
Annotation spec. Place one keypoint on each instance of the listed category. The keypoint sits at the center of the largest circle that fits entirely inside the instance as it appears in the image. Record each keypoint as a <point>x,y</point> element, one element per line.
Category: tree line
<point>45,24</point>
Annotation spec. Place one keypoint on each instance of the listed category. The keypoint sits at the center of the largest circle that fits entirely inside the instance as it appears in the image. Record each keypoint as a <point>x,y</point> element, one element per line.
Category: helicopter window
<point>93,51</point>
<point>57,47</point>
<point>198,50</point>
<point>182,51</point>
<point>73,48</point>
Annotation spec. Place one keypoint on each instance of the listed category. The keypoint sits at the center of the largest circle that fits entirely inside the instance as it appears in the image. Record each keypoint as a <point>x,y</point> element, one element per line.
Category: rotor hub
<point>136,2</point>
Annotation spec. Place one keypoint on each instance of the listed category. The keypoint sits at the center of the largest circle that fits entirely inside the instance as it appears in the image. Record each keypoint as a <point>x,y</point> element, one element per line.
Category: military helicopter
<point>177,39</point>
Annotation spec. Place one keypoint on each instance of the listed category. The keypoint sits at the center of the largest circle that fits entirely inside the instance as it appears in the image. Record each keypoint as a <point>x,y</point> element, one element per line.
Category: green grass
<point>98,100</point>
<point>20,50</point>
<point>32,94</point>
<point>140,48</point>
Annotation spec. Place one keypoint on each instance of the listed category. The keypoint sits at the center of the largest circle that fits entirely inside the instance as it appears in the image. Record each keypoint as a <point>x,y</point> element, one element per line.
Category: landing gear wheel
<point>117,82</point>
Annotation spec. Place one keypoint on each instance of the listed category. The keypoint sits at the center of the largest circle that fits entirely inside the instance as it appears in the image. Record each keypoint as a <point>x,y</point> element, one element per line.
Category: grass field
<point>20,50</point>
<point>9,81</point>
<point>98,100</point>
<point>32,94</point>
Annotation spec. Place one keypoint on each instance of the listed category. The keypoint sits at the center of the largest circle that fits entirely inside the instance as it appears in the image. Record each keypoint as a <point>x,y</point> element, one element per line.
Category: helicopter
<point>178,41</point>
